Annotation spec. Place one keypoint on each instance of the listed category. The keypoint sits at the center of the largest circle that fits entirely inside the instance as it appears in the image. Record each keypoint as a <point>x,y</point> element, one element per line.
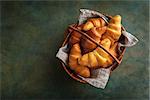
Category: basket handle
<point>91,39</point>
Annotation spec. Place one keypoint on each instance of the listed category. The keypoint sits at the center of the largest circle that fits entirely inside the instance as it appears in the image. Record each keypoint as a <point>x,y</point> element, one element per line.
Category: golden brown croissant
<point>93,22</point>
<point>75,53</point>
<point>94,33</point>
<point>75,36</point>
<point>113,31</point>
<point>93,56</point>
<point>97,57</point>
<point>112,50</point>
<point>92,60</point>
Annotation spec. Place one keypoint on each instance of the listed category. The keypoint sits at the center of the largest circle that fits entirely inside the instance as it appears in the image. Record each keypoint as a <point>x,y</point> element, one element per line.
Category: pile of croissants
<point>85,55</point>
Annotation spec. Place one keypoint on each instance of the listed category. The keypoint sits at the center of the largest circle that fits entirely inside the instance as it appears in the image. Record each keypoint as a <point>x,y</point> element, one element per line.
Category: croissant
<point>93,22</point>
<point>113,31</point>
<point>94,33</point>
<point>113,50</point>
<point>97,57</point>
<point>75,53</point>
<point>75,36</point>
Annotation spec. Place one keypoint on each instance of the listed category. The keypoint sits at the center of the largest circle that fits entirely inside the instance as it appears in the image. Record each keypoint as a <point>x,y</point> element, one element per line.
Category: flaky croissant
<point>75,53</point>
<point>113,50</point>
<point>75,36</point>
<point>98,57</point>
<point>93,22</point>
<point>93,56</point>
<point>94,33</point>
<point>113,31</point>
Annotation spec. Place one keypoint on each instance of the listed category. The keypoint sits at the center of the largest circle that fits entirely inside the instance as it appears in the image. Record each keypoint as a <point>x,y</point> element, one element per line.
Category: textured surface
<point>31,34</point>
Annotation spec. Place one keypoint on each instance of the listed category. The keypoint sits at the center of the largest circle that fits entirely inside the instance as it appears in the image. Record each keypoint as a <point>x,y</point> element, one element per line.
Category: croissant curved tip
<point>85,73</point>
<point>117,17</point>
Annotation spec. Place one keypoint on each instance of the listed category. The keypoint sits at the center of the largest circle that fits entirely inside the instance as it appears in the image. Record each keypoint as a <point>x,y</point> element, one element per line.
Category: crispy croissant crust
<point>75,36</point>
<point>113,31</point>
<point>113,50</point>
<point>92,60</point>
<point>75,53</point>
<point>94,33</point>
<point>98,57</point>
<point>93,22</point>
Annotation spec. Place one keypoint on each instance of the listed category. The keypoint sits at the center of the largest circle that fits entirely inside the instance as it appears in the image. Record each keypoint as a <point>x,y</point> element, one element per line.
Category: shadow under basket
<point>116,62</point>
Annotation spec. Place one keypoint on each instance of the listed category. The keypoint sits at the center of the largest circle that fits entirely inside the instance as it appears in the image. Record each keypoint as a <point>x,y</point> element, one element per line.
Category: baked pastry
<point>95,33</point>
<point>98,57</point>
<point>93,22</point>
<point>112,50</point>
<point>113,31</point>
<point>75,53</point>
<point>75,36</point>
<point>89,56</point>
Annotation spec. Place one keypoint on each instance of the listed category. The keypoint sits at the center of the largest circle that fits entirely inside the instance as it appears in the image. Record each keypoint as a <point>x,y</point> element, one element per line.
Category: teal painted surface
<point>31,34</point>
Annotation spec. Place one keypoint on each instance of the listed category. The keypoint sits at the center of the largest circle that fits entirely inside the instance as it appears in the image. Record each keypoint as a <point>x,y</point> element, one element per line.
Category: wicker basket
<point>117,61</point>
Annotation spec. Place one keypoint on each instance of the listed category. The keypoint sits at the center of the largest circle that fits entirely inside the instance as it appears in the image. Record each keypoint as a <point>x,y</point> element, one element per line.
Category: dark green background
<point>31,34</point>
